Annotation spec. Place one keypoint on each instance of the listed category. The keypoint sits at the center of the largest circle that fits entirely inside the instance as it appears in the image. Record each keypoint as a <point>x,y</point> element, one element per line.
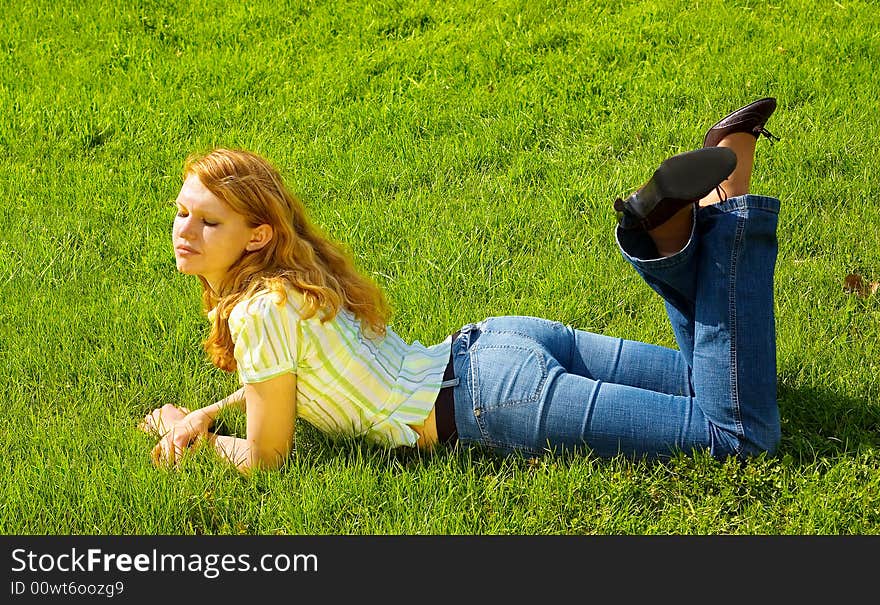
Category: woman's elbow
<point>269,460</point>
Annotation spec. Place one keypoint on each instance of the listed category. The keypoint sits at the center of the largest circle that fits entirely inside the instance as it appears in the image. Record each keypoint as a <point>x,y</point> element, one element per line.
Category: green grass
<point>467,153</point>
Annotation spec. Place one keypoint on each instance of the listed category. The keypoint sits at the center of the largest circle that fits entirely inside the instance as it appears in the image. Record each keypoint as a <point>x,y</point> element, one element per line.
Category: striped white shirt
<point>346,384</point>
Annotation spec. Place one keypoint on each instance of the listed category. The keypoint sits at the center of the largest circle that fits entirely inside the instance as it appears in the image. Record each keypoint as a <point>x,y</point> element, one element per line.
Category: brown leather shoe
<point>750,118</point>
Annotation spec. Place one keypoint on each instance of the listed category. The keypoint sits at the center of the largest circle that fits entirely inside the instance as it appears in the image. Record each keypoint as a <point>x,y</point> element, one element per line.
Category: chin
<point>182,268</point>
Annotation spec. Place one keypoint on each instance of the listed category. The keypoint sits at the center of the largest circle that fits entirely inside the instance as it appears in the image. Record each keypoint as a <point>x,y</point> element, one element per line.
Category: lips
<point>184,250</point>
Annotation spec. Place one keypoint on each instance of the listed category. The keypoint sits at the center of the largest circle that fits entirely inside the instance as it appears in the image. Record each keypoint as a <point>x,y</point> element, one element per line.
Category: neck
<point>213,283</point>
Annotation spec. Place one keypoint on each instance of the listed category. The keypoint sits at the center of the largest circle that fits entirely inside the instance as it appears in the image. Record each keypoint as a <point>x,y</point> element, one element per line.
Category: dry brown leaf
<point>856,284</point>
<point>853,283</point>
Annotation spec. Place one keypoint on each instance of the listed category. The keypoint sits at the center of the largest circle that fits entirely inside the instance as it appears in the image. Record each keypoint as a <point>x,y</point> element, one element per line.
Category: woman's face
<point>208,236</point>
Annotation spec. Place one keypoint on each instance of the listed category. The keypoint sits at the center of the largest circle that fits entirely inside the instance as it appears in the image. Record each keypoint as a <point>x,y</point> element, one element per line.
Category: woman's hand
<point>161,420</point>
<point>181,434</point>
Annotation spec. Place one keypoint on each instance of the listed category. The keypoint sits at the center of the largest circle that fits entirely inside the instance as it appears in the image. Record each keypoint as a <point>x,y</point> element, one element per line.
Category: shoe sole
<point>679,181</point>
<point>689,176</point>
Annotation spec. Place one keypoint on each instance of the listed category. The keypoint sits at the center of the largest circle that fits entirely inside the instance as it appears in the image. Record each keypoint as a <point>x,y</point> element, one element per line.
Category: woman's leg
<point>515,394</point>
<point>738,183</point>
<point>677,286</point>
<point>734,366</point>
<point>671,236</point>
<point>599,357</point>
<point>718,290</point>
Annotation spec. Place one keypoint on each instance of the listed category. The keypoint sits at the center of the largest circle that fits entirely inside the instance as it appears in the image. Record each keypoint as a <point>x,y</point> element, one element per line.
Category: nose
<point>184,228</point>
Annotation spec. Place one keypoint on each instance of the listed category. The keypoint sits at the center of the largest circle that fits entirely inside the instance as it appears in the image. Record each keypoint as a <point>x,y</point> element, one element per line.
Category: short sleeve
<point>264,334</point>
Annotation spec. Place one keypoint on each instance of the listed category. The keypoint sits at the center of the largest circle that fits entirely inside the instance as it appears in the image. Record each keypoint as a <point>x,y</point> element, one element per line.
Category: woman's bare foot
<point>743,145</point>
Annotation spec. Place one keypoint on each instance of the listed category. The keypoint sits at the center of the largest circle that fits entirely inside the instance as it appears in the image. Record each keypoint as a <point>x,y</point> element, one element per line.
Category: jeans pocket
<point>506,375</point>
<point>508,381</point>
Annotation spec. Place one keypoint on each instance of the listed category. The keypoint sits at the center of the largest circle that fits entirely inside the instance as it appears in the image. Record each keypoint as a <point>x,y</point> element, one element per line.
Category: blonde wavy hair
<point>298,255</point>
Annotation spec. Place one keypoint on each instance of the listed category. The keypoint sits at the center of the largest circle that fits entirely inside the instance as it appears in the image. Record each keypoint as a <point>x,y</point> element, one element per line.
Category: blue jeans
<point>533,385</point>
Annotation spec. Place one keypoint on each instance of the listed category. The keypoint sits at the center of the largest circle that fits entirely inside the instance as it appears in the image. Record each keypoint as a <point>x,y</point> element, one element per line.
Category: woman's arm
<point>271,415</point>
<point>236,400</point>
<point>271,421</point>
<point>161,420</point>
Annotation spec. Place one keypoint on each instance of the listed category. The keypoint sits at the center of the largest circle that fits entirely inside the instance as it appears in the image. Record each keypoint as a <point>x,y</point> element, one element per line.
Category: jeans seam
<point>475,400</point>
<point>521,334</point>
<point>734,382</point>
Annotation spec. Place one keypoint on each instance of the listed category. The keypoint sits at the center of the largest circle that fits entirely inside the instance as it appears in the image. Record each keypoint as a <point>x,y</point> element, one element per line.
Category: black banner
<point>460,568</point>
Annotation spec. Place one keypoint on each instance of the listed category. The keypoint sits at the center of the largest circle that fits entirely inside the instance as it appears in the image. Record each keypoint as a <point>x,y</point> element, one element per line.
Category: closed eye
<point>205,222</point>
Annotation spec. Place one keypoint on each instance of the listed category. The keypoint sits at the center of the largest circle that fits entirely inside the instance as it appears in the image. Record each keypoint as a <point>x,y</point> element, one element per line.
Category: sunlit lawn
<point>467,153</point>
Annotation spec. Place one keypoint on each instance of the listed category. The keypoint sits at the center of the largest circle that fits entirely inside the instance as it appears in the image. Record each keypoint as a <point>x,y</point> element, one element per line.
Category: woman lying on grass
<point>307,333</point>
